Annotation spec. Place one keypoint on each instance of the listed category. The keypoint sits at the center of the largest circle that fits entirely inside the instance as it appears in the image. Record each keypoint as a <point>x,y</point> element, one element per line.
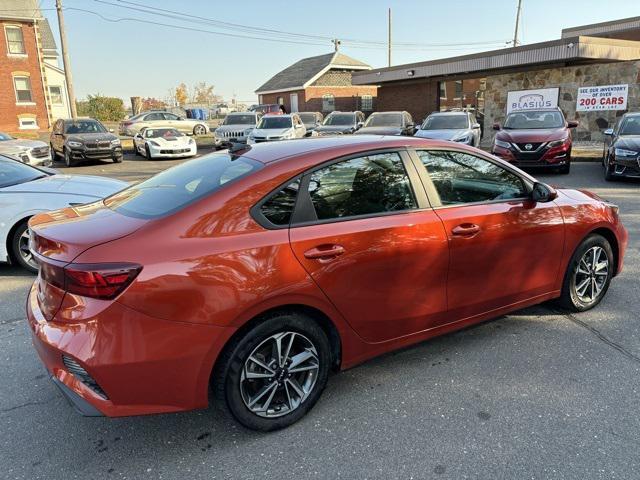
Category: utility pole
<point>389,40</point>
<point>336,44</point>
<point>516,42</point>
<point>65,60</point>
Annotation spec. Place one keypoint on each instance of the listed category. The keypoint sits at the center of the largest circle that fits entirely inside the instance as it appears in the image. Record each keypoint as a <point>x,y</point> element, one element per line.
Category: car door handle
<point>466,230</point>
<point>324,252</point>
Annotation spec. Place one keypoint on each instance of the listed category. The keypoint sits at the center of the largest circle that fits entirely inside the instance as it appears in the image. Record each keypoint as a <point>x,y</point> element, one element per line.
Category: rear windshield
<point>173,189</point>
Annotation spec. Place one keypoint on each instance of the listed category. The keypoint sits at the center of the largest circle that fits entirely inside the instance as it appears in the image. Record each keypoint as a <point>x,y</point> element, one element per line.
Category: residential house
<point>33,92</point>
<point>319,84</point>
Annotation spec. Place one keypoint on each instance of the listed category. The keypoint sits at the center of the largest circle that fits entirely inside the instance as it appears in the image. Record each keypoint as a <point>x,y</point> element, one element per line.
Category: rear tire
<point>586,280</point>
<point>280,397</point>
<point>19,252</point>
<point>199,130</point>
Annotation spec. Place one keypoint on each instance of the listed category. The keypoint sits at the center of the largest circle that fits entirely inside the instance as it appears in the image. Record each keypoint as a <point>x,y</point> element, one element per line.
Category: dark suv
<point>341,123</point>
<point>622,155</point>
<point>84,139</point>
<point>535,138</point>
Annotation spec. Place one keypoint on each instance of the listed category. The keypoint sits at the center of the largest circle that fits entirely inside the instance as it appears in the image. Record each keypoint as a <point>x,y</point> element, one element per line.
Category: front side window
<point>279,207</point>
<point>461,178</point>
<point>15,40</point>
<point>23,89</point>
<point>153,116</point>
<point>177,187</point>
<point>328,103</point>
<point>55,92</point>
<point>365,185</point>
<point>171,116</point>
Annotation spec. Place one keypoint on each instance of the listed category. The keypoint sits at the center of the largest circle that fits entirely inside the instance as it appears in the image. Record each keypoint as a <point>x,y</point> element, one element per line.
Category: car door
<point>174,121</point>
<point>505,248</point>
<point>368,239</point>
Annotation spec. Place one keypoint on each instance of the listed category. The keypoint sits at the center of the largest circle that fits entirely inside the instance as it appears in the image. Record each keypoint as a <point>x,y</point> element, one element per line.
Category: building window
<point>55,92</point>
<point>15,40</point>
<point>443,90</point>
<point>27,123</point>
<point>328,103</point>
<point>366,102</point>
<point>280,100</point>
<point>458,89</point>
<point>23,89</point>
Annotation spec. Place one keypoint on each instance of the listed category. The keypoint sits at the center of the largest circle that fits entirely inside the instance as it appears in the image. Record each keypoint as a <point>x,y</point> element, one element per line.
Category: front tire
<point>565,169</point>
<point>199,130</point>
<point>608,174</point>
<point>588,275</point>
<point>147,152</point>
<point>68,159</point>
<point>20,253</point>
<point>273,375</point>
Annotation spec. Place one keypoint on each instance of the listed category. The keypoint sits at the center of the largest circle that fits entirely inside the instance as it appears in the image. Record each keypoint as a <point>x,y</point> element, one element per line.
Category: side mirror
<point>496,126</point>
<point>543,193</point>
<point>359,125</point>
<point>608,131</point>
<point>572,124</point>
<point>476,125</point>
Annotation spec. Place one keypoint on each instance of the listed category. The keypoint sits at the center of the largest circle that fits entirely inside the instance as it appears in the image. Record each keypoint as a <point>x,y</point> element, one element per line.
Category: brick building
<point>319,84</point>
<point>32,88</point>
<point>603,55</point>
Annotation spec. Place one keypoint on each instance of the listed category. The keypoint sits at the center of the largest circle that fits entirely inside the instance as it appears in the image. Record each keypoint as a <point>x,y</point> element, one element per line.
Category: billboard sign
<point>532,99</point>
<point>608,97</point>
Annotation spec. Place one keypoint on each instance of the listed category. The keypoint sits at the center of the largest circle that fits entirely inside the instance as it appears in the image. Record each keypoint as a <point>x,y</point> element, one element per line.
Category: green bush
<point>105,109</point>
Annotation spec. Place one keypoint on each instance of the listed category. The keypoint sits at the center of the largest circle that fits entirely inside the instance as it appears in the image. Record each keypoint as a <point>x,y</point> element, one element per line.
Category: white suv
<point>278,127</point>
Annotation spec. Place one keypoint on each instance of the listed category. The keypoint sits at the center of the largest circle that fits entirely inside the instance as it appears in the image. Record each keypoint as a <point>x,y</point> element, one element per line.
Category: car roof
<point>548,109</point>
<point>270,152</point>
<point>450,113</point>
<point>390,111</point>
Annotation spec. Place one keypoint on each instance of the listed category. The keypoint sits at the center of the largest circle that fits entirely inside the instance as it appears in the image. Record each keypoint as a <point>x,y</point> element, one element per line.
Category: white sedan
<point>164,143</point>
<point>26,190</point>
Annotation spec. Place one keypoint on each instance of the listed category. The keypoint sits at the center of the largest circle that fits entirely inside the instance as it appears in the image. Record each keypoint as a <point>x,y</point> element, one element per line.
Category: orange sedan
<point>251,274</point>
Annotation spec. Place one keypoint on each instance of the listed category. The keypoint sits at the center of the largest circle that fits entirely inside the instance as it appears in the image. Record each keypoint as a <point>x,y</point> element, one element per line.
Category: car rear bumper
<point>134,364</point>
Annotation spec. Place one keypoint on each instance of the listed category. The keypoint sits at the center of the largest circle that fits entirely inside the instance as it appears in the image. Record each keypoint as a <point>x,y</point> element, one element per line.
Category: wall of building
<point>55,78</point>
<point>568,79</point>
<point>27,64</point>
<point>310,99</point>
<point>418,97</point>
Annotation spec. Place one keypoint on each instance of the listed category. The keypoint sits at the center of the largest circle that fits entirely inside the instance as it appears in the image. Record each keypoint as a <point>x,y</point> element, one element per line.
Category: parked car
<point>258,271</point>
<point>453,126</point>
<point>388,123</point>
<point>162,119</point>
<point>84,139</point>
<point>222,109</point>
<point>622,154</point>
<point>311,120</point>
<point>32,152</point>
<point>341,123</point>
<point>277,127</point>
<point>164,143</point>
<point>26,190</point>
<point>267,108</point>
<point>535,138</point>
<point>236,128</point>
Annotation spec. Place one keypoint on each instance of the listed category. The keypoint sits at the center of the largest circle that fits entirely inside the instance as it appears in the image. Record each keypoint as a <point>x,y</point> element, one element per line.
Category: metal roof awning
<point>578,49</point>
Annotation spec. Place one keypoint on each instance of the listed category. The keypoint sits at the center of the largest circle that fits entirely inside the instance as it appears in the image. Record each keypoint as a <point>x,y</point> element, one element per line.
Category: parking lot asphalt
<point>538,394</point>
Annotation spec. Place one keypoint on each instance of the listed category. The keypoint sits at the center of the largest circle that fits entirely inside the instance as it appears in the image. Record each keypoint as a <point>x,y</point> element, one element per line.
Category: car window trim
<point>256,210</point>
<point>430,188</point>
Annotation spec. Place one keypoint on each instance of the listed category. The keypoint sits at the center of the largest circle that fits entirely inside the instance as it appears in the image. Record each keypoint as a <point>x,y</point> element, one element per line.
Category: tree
<point>182,94</point>
<point>106,109</point>
<point>151,103</point>
<point>203,93</point>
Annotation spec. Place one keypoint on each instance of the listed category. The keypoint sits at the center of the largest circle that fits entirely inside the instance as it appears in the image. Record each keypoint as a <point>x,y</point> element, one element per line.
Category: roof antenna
<point>336,44</point>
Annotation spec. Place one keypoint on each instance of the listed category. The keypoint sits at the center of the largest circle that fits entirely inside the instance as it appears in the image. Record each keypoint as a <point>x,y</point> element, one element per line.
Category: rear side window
<point>179,186</point>
<point>279,207</point>
<point>361,186</point>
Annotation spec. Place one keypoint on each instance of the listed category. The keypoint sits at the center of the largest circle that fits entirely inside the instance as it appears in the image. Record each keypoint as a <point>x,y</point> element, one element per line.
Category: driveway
<point>538,394</point>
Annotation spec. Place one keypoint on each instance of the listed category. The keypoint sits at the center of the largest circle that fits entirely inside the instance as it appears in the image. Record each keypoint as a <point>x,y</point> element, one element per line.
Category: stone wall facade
<point>568,79</point>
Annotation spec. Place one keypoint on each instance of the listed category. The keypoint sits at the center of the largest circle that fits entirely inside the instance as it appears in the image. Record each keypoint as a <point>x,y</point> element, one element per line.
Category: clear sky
<point>128,58</point>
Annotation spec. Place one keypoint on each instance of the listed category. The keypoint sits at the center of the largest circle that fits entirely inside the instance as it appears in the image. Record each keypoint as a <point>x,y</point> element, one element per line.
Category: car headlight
<point>621,152</point>
<point>500,143</point>
<point>73,144</point>
<point>558,143</point>
<point>115,143</point>
<point>248,131</point>
<point>464,138</point>
<point>155,144</point>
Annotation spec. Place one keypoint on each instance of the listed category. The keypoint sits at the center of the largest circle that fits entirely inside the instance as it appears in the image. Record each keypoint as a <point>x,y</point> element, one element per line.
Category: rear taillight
<point>127,124</point>
<point>101,280</point>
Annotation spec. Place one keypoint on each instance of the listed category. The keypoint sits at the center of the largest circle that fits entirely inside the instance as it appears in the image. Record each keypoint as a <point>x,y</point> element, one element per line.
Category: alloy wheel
<point>279,374</point>
<point>199,130</point>
<point>23,250</point>
<point>592,274</point>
